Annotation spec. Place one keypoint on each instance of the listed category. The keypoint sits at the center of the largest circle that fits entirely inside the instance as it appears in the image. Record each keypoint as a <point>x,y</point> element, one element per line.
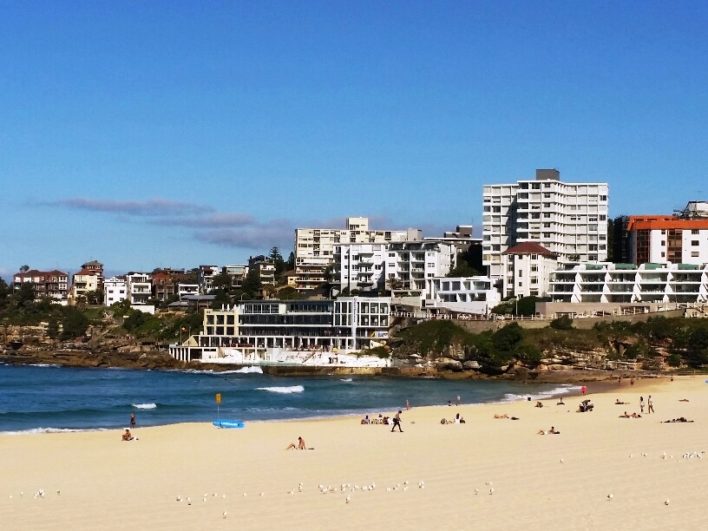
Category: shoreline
<point>601,387</point>
<point>601,472</point>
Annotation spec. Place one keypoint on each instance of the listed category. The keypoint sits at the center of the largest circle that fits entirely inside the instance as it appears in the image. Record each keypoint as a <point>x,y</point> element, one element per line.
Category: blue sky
<point>167,133</point>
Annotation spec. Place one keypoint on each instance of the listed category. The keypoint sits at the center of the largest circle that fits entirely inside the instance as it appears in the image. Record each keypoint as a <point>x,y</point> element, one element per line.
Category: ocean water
<point>46,398</point>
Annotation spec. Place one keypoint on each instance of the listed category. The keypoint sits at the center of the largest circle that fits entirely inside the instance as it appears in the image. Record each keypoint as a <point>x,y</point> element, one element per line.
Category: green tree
<point>4,293</point>
<point>278,261</point>
<point>505,340</point>
<point>290,264</point>
<point>251,287</point>
<point>74,324</point>
<point>25,294</point>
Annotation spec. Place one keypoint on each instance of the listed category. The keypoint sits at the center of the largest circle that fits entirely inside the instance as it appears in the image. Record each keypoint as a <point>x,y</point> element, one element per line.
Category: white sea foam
<point>346,380</point>
<point>34,431</point>
<point>44,365</point>
<point>147,405</point>
<point>283,390</point>
<point>245,370</point>
<point>563,390</point>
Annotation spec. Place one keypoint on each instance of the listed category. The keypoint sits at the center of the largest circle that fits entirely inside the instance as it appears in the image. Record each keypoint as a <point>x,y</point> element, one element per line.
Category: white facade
<point>408,265</point>
<point>114,290</point>
<point>627,283</point>
<point>569,219</point>
<point>314,248</point>
<point>527,273</point>
<point>187,289</point>
<point>205,277</point>
<point>359,266</point>
<point>474,295</point>
<point>139,288</point>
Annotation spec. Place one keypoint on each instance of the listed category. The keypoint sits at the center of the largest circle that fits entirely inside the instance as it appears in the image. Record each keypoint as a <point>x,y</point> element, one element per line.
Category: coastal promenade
<point>600,472</point>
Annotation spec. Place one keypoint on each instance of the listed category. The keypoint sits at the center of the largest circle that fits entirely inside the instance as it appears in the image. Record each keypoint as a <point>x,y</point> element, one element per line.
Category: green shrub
<point>562,323</point>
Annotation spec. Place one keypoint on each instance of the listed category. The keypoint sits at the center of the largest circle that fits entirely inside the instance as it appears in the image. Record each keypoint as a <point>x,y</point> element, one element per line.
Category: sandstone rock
<point>471,365</point>
<point>448,364</point>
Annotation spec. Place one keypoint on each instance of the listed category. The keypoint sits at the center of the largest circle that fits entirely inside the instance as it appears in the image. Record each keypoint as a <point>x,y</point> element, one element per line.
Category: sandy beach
<point>600,472</point>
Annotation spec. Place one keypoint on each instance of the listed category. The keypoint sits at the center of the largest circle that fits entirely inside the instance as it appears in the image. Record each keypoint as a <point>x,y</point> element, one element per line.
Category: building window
<point>694,254</point>
<point>694,242</point>
<point>694,231</point>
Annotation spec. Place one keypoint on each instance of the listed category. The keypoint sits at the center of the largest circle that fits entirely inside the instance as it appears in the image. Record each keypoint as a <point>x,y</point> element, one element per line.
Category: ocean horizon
<point>46,398</point>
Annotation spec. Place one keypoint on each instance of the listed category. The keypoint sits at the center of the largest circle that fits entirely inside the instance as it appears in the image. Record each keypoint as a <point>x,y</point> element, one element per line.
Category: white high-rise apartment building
<point>568,219</point>
<point>314,248</point>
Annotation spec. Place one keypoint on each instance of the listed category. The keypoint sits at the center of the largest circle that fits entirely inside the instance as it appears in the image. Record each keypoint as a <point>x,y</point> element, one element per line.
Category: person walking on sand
<point>641,404</point>
<point>397,422</point>
<point>133,420</point>
<point>650,405</point>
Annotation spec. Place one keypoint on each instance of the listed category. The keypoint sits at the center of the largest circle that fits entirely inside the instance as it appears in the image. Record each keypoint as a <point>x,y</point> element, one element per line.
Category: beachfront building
<point>461,295</point>
<point>315,248</point>
<point>409,264</point>
<point>527,270</point>
<point>663,239</point>
<point>115,289</point>
<point>568,219</point>
<point>52,284</point>
<point>629,283</point>
<point>297,331</point>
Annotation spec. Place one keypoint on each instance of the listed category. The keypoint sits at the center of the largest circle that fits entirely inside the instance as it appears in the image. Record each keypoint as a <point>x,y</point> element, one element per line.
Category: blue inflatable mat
<point>229,423</point>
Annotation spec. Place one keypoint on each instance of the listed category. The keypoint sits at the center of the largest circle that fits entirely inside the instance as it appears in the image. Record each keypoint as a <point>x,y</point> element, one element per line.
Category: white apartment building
<point>115,290</point>
<point>139,288</point>
<point>399,267</point>
<point>568,219</point>
<point>314,248</point>
<point>628,283</point>
<point>409,264</point>
<point>527,270</point>
<point>205,277</point>
<point>183,290</point>
<point>359,266</point>
<point>472,295</point>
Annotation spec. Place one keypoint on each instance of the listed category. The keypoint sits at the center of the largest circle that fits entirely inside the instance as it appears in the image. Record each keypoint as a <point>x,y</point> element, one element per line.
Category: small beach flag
<point>218,398</point>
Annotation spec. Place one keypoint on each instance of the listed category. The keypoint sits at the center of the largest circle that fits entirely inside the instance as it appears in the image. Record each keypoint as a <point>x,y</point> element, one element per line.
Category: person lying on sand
<point>625,415</point>
<point>680,419</point>
<point>300,445</point>
<point>636,415</point>
<point>553,431</point>
<point>127,436</point>
<point>618,402</point>
<point>684,400</point>
<point>504,416</point>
